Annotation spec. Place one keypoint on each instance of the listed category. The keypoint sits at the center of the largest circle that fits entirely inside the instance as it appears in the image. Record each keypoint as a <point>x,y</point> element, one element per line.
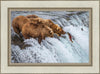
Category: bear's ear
<point>49,20</point>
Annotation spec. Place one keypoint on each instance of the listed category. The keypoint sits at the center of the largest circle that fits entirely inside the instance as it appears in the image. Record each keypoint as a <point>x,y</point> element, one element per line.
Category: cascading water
<point>57,49</point>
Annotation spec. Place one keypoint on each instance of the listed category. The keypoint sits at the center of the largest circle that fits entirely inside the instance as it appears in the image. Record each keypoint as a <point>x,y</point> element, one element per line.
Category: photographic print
<point>49,36</point>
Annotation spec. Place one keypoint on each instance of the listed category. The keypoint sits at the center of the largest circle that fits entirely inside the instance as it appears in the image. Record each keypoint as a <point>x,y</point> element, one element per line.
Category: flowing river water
<point>56,49</point>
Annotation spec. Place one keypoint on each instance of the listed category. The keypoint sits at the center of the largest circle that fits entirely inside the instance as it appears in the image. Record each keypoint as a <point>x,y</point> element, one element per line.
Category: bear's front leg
<point>41,36</point>
<point>39,39</point>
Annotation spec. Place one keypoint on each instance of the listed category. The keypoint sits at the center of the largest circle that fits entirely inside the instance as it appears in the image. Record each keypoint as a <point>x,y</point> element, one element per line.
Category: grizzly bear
<point>18,23</point>
<point>36,31</point>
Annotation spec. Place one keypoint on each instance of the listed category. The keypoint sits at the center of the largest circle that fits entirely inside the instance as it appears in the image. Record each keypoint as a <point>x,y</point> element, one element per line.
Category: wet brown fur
<point>32,16</point>
<point>18,23</point>
<point>41,31</point>
<point>56,29</point>
<point>35,27</point>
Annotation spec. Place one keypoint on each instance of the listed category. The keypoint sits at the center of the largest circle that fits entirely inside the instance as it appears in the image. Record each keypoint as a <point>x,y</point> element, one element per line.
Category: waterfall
<point>57,49</point>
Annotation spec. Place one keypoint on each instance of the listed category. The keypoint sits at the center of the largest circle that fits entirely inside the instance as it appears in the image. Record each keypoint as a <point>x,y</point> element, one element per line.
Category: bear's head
<point>58,30</point>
